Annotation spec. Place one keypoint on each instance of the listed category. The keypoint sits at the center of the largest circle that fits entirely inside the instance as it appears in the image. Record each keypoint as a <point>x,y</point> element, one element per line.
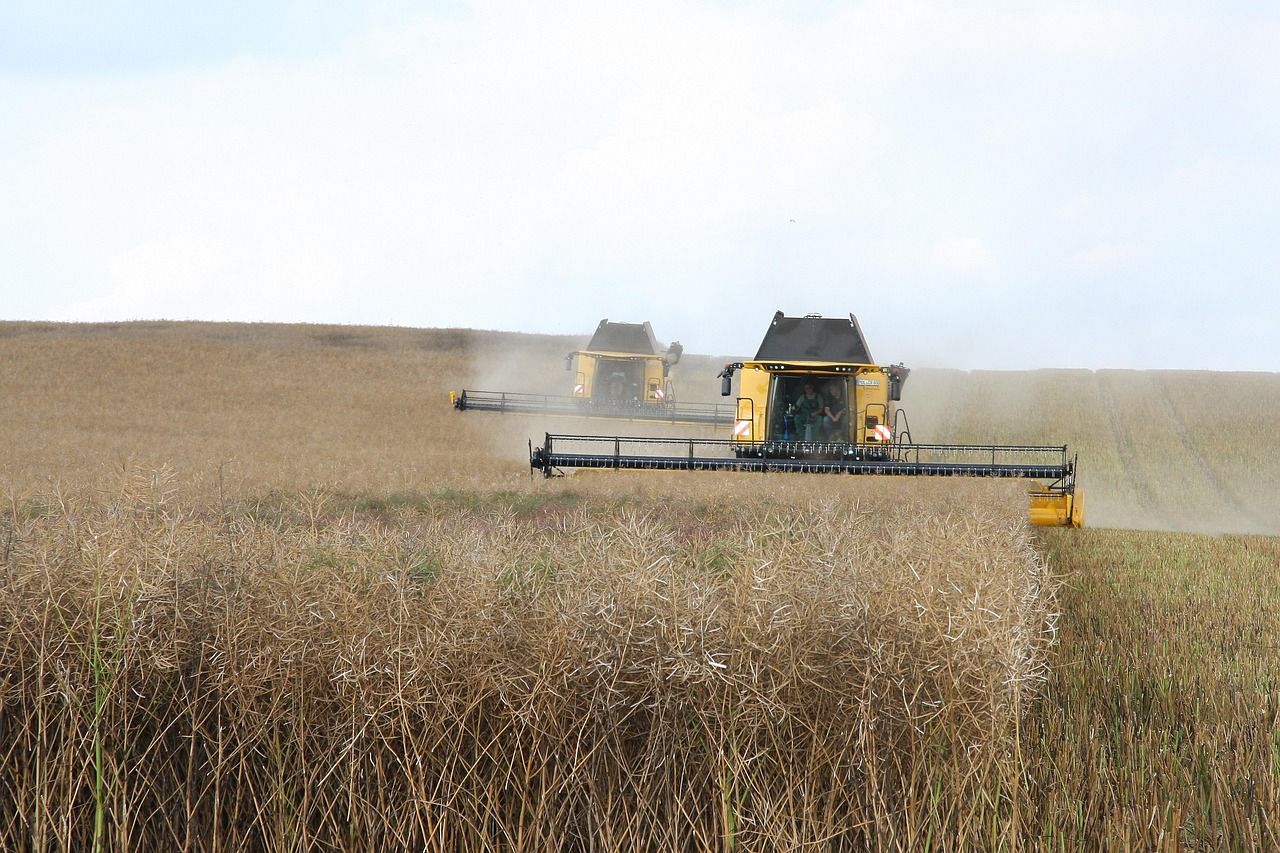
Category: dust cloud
<point>1153,451</point>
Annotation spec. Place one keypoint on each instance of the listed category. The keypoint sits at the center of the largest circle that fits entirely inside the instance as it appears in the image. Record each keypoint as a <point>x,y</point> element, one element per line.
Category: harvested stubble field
<point>263,587</point>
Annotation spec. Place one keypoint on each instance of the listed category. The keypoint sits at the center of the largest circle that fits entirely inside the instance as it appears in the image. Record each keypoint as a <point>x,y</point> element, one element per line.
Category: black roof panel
<point>624,337</point>
<point>814,338</point>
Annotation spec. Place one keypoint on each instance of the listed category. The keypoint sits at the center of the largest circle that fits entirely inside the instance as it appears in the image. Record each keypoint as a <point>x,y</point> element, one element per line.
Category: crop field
<point>264,588</point>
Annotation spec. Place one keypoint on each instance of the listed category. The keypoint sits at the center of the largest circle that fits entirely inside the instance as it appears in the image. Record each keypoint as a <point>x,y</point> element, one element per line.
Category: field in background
<point>237,540</point>
<point>258,407</point>
<point>285,407</point>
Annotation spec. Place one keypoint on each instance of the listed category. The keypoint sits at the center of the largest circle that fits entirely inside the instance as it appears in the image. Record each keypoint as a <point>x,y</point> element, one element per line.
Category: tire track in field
<point>1227,497</point>
<point>1143,490</point>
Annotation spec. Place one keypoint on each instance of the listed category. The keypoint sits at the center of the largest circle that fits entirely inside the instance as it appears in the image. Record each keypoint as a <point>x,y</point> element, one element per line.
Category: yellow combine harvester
<point>622,373</point>
<point>624,364</point>
<point>814,400</point>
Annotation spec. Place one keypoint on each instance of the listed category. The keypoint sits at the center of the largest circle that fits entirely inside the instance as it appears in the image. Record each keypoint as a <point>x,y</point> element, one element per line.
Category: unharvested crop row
<point>459,670</point>
<point>1160,726</point>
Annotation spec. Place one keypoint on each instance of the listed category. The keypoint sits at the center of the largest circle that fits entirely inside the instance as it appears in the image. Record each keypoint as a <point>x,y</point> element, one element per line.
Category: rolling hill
<point>367,407</point>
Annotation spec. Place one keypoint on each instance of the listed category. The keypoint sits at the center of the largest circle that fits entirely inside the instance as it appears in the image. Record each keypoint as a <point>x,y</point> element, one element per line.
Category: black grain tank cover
<point>814,338</point>
<point>624,337</point>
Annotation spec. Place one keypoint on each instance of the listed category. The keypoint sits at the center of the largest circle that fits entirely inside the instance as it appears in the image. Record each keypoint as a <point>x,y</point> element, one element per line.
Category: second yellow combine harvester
<point>622,373</point>
<point>813,400</point>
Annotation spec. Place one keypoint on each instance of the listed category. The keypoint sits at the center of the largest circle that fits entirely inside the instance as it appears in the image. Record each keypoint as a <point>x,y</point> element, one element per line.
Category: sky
<point>985,185</point>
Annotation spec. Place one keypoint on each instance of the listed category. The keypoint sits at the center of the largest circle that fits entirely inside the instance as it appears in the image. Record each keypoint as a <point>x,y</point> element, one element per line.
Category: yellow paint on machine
<point>1049,508</point>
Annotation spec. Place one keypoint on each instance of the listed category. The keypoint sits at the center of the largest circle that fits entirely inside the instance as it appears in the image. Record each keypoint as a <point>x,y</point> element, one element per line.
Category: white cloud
<point>538,166</point>
<point>155,279</point>
<point>1105,258</point>
<point>184,278</point>
<point>961,255</point>
<point>1078,208</point>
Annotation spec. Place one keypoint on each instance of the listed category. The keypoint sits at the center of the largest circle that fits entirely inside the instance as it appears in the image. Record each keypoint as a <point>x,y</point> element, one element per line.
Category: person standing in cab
<point>809,407</point>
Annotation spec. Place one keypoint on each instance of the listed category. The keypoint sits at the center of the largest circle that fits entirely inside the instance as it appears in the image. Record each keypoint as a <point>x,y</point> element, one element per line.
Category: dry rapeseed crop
<point>564,670</point>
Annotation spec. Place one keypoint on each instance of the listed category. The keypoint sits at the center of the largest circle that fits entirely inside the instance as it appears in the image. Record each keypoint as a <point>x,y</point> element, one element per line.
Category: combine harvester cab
<point>623,373</point>
<point>829,357</point>
<point>813,400</point>
<point>623,365</point>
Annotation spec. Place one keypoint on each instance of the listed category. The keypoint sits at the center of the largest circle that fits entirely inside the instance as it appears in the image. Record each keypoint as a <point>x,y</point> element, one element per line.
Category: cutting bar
<point>1036,462</point>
